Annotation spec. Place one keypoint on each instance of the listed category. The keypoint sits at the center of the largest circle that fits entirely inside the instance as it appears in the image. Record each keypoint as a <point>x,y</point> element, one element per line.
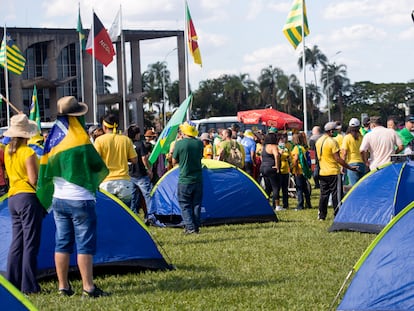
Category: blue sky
<point>374,38</point>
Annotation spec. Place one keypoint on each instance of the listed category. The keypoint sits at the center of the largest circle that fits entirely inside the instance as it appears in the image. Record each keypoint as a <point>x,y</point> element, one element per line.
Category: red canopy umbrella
<point>270,117</point>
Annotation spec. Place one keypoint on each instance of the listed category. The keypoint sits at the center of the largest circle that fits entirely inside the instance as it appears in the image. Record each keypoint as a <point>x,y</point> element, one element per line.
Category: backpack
<point>303,160</point>
<point>235,156</point>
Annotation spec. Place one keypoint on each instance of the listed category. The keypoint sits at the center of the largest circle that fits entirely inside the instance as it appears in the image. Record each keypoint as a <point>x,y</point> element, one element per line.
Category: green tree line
<point>228,94</point>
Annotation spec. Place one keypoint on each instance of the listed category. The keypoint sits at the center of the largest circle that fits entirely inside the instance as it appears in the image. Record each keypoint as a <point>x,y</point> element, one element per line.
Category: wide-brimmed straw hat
<point>189,129</point>
<point>69,106</point>
<point>21,126</point>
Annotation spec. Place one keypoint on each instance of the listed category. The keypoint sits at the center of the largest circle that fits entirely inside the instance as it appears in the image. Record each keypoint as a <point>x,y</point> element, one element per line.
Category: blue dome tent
<point>12,299</point>
<point>378,197</point>
<point>124,243</point>
<point>383,278</point>
<point>230,196</point>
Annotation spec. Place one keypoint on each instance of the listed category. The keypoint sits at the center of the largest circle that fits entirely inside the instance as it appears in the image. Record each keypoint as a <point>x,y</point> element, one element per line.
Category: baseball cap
<point>409,118</point>
<point>354,122</point>
<point>330,126</point>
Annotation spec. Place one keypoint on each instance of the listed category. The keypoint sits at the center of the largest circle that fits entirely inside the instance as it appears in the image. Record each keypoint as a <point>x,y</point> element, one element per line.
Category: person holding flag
<point>71,170</point>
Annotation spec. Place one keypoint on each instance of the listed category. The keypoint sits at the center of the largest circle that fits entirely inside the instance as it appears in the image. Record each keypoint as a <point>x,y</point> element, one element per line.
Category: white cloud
<point>281,7</point>
<point>359,32</point>
<point>254,9</point>
<point>213,4</point>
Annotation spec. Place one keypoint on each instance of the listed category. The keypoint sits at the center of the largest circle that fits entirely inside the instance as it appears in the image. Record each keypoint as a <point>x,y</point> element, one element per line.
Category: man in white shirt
<point>378,144</point>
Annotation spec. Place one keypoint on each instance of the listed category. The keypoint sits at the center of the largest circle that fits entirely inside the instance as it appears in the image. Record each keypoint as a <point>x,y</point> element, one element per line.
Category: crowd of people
<point>119,163</point>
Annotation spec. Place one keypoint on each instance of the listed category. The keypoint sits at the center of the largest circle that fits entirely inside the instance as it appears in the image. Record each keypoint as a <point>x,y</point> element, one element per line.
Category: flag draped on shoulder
<point>295,20</point>
<point>81,32</point>
<point>169,133</point>
<point>34,109</point>
<point>10,56</point>
<point>69,154</point>
<point>192,37</point>
<point>99,40</point>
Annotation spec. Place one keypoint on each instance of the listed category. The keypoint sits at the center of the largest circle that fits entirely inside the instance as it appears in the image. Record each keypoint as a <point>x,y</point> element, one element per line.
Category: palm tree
<point>268,80</point>
<point>153,81</point>
<point>335,83</point>
<point>313,57</point>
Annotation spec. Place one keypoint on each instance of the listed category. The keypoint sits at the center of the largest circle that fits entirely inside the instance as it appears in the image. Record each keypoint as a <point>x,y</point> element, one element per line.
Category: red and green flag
<point>192,38</point>
<point>69,154</point>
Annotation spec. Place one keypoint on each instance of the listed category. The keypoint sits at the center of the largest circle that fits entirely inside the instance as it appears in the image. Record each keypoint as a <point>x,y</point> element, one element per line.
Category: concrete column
<point>120,89</point>
<point>137,82</point>
<point>181,67</point>
<point>52,54</point>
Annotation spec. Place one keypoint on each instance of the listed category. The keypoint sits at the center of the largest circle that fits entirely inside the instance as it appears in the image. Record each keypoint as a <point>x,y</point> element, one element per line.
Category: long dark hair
<point>354,131</point>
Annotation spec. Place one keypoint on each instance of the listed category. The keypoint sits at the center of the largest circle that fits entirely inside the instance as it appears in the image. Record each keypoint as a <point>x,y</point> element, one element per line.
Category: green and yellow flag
<point>69,154</point>
<point>34,109</point>
<point>10,56</point>
<point>294,23</point>
<point>169,133</point>
<point>81,32</point>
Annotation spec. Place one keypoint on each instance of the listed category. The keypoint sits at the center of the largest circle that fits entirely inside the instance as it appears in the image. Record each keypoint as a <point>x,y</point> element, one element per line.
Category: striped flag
<point>192,38</point>
<point>34,109</point>
<point>169,133</point>
<point>10,56</point>
<point>101,42</point>
<point>69,154</point>
<point>294,22</point>
<point>81,32</point>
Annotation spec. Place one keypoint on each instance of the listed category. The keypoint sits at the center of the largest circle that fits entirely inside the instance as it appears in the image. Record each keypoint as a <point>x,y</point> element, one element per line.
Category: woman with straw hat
<point>25,209</point>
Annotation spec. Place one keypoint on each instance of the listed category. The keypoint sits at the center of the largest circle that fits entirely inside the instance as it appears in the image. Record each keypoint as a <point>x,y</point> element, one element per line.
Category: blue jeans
<point>75,221</point>
<point>190,197</point>
<point>302,190</point>
<point>145,185</point>
<point>353,177</point>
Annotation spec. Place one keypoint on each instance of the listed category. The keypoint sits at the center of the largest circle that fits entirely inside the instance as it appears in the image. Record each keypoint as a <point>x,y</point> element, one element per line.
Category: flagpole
<point>6,79</point>
<point>187,79</point>
<point>81,61</point>
<point>305,108</point>
<point>94,70</point>
<point>124,90</point>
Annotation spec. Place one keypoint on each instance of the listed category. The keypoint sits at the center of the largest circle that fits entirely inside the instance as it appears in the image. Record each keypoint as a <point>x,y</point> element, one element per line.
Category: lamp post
<point>328,104</point>
<point>164,97</point>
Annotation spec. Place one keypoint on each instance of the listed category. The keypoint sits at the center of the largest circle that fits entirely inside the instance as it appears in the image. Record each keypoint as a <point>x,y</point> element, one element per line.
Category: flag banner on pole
<point>115,30</point>
<point>10,53</point>
<point>34,109</point>
<point>81,32</point>
<point>66,143</point>
<point>192,38</point>
<point>104,50</point>
<point>169,133</point>
<point>293,26</point>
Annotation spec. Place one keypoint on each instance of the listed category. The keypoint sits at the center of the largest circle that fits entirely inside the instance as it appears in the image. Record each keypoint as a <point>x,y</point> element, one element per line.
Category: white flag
<point>115,30</point>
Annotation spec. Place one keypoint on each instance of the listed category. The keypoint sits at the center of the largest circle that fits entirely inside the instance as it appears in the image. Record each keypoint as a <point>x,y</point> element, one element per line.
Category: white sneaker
<point>279,208</point>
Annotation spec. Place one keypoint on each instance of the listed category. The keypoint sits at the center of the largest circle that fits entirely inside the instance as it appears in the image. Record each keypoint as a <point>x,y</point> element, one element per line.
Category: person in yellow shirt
<point>350,151</point>
<point>208,148</point>
<point>116,150</point>
<point>25,209</point>
<point>327,151</point>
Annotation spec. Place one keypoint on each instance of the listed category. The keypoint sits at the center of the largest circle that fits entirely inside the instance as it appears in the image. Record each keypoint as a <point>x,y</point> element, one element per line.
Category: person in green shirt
<point>406,135</point>
<point>188,153</point>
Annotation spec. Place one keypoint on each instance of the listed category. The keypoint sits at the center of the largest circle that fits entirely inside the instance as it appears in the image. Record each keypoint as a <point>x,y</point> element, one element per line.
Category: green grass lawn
<point>294,264</point>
